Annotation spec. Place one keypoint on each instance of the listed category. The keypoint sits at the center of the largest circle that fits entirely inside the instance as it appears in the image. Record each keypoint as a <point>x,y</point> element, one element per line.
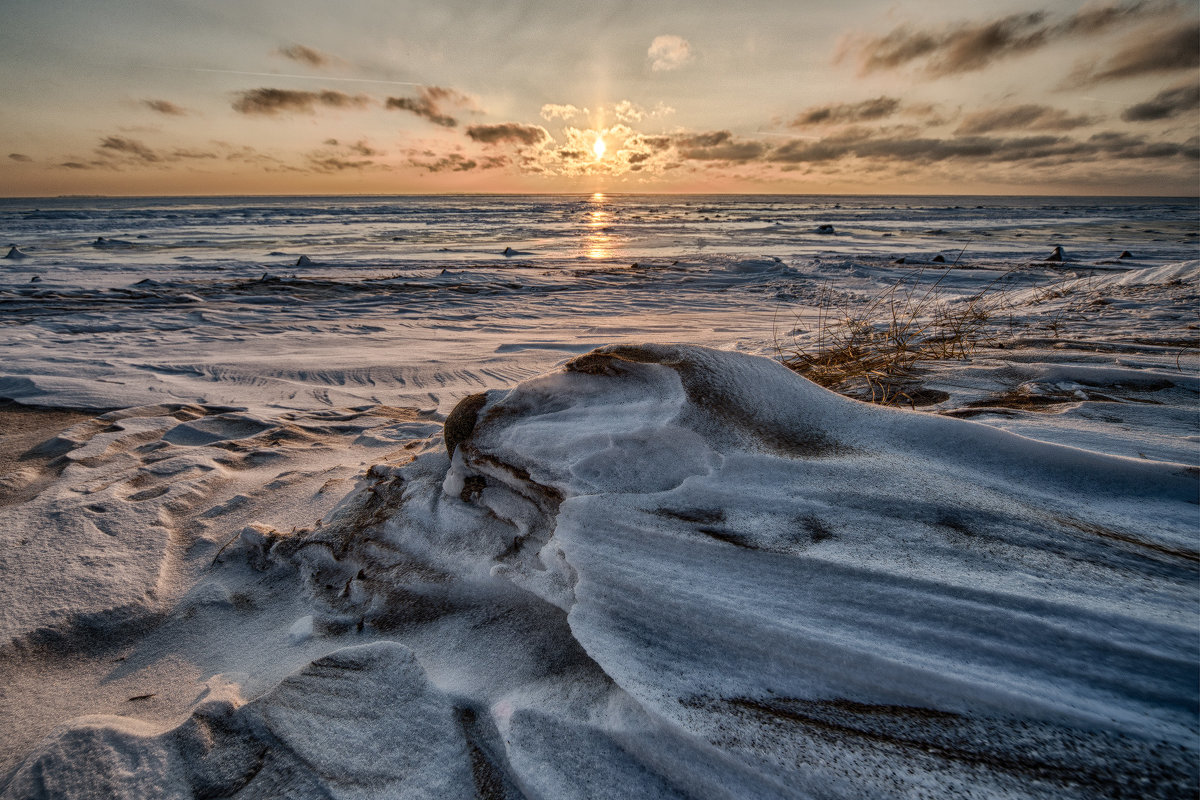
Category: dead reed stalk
<point>870,350</point>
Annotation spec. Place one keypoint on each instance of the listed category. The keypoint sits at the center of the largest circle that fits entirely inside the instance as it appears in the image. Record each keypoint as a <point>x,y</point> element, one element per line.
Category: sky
<point>184,97</point>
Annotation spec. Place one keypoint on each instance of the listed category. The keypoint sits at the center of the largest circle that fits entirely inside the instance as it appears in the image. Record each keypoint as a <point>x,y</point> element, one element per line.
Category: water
<point>397,233</point>
<point>419,300</point>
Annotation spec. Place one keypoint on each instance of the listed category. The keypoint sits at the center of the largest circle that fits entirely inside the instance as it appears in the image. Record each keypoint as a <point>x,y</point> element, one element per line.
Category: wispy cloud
<point>970,46</point>
<point>130,147</point>
<point>359,148</point>
<point>877,108</point>
<point>433,103</point>
<point>338,156</point>
<point>668,52</point>
<point>270,102</point>
<point>165,107</point>
<point>21,157</point>
<point>1159,50</point>
<point>553,111</point>
<point>1166,104</point>
<point>1022,117</point>
<point>431,161</point>
<point>303,54</point>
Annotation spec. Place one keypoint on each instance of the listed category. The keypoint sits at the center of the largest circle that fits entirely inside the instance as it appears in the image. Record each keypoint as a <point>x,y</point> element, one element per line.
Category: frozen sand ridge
<point>769,590</point>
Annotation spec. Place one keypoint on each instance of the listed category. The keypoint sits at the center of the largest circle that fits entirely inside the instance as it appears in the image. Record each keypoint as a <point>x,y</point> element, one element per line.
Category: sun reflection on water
<point>596,241</point>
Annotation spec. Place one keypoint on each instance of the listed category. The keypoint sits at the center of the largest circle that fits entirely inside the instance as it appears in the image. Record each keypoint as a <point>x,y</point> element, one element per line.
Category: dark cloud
<point>717,146</point>
<point>710,139</point>
<point>1027,117</point>
<point>20,157</point>
<point>1161,50</point>
<point>75,165</point>
<point>656,142</point>
<point>729,151</point>
<point>970,46</point>
<point>131,148</point>
<point>1166,104</point>
<point>270,102</point>
<point>306,55</point>
<point>982,149</point>
<point>847,112</point>
<point>165,107</point>
<point>508,132</point>
<point>431,102</point>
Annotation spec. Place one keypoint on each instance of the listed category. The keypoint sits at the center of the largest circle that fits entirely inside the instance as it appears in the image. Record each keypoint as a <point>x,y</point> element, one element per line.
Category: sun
<point>599,147</point>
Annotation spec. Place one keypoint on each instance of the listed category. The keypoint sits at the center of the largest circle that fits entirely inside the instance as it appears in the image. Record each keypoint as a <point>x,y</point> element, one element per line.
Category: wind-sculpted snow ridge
<point>670,571</point>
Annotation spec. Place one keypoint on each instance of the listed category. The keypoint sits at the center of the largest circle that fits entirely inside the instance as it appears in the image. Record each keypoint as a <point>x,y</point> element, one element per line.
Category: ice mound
<point>670,571</point>
<point>15,252</point>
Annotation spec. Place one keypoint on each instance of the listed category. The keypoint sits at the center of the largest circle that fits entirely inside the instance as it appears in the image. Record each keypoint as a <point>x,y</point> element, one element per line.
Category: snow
<point>649,568</point>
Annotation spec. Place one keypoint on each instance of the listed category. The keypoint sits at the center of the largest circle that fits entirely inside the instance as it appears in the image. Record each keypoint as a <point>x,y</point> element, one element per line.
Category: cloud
<point>118,152</point>
<point>183,153</point>
<point>165,107</point>
<point>431,102</point>
<point>130,147</point>
<point>718,146</point>
<point>980,149</point>
<point>1027,117</point>
<point>455,162</point>
<point>626,111</point>
<point>1164,105</point>
<point>970,46</point>
<point>270,102</point>
<point>1161,50</point>
<point>508,132</point>
<point>358,148</point>
<point>307,55</point>
<point>339,156</point>
<point>552,111</point>
<point>331,163</point>
<point>847,112</point>
<point>24,159</point>
<point>668,52</point>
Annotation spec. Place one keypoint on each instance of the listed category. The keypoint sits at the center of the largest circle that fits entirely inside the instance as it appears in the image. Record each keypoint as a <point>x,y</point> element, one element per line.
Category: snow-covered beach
<point>240,558</point>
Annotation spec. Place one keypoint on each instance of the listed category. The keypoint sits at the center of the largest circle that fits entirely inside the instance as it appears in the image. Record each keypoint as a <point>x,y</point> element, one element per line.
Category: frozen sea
<point>510,496</point>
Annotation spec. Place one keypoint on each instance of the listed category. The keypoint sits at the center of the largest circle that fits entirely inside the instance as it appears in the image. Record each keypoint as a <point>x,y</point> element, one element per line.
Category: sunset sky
<point>387,96</point>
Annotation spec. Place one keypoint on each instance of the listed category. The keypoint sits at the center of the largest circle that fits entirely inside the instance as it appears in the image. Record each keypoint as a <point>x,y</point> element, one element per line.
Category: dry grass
<point>870,350</point>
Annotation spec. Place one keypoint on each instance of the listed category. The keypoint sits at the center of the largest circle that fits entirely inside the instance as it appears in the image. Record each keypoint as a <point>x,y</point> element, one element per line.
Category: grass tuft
<point>870,351</point>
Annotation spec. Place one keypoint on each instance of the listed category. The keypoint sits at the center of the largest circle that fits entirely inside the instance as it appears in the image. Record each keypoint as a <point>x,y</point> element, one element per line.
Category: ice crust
<point>666,570</point>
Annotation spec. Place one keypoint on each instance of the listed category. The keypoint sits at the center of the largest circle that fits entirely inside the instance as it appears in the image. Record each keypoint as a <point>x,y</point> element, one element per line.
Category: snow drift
<point>673,571</point>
